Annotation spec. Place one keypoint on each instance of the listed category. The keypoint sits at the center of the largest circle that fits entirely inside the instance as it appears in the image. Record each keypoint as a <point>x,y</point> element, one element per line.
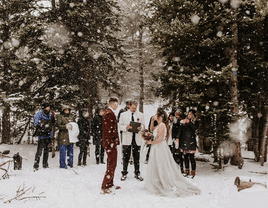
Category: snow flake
<point>108,176</point>
<point>176,59</point>
<point>7,45</point>
<point>234,69</point>
<point>219,33</point>
<point>215,103</point>
<point>235,4</point>
<point>195,19</point>
<point>15,42</point>
<point>259,115</point>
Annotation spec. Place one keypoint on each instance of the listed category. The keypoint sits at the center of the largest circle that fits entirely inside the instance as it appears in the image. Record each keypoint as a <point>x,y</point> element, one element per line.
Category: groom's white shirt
<point>124,120</point>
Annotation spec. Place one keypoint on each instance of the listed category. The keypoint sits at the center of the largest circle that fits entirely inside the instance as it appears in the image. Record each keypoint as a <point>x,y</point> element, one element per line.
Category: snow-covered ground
<point>81,186</point>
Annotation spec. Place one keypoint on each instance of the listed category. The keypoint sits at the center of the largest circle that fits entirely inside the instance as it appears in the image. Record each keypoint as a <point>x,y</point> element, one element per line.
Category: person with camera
<point>43,121</point>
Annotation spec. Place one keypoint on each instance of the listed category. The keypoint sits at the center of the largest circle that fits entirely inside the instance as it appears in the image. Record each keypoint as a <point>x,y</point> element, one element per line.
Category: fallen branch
<point>264,172</point>
<point>5,175</point>
<point>32,197</point>
<point>5,163</point>
<point>22,191</point>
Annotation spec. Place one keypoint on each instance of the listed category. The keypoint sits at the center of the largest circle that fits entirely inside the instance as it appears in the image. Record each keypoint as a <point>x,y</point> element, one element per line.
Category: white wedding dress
<point>163,176</point>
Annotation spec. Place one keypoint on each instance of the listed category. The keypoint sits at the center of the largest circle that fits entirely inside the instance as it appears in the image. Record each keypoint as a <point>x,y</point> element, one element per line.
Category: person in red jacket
<point>110,141</point>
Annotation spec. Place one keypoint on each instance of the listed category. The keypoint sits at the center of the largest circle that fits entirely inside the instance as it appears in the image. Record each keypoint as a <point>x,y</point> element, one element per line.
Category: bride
<point>163,175</point>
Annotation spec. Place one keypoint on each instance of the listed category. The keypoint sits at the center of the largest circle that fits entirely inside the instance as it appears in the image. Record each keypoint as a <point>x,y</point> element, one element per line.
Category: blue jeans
<point>63,150</point>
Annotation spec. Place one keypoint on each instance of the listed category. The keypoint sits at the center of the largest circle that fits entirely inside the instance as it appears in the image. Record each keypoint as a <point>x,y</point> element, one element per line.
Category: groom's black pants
<point>136,157</point>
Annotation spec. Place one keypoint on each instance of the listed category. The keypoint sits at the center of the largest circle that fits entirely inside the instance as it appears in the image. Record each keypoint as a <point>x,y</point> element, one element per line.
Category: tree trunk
<point>263,149</point>
<point>236,158</point>
<point>6,124</point>
<point>141,70</point>
<point>53,3</point>
<point>24,131</point>
<point>255,135</point>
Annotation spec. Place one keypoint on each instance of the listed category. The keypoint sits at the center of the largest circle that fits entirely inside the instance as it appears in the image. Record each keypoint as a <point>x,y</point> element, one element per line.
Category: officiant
<point>131,123</point>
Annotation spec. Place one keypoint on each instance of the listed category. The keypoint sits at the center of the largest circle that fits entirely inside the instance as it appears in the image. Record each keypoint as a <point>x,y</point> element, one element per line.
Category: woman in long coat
<point>187,137</point>
<point>97,135</point>
<point>84,136</point>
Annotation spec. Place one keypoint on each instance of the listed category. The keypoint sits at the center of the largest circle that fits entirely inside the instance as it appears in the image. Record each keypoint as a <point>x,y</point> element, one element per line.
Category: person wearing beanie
<point>43,121</point>
<point>65,145</point>
<point>188,142</point>
<point>84,136</point>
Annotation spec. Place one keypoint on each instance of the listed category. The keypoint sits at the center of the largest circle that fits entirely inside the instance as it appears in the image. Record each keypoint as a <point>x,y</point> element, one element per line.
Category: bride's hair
<point>161,113</point>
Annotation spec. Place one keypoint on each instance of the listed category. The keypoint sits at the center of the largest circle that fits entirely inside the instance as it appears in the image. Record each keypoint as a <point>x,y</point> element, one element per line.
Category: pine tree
<point>253,75</point>
<point>140,54</point>
<point>14,16</point>
<point>197,39</point>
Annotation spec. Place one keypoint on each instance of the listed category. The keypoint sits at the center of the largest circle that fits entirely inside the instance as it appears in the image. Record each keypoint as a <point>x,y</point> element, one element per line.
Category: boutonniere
<point>138,119</point>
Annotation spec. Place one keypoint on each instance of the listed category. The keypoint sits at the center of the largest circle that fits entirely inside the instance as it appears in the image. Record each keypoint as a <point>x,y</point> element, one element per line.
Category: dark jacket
<point>97,129</point>
<point>175,130</point>
<point>187,135</point>
<point>84,131</point>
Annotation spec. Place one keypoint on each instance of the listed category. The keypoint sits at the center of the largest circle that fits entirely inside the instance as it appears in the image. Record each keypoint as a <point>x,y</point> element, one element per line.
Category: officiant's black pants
<point>136,157</point>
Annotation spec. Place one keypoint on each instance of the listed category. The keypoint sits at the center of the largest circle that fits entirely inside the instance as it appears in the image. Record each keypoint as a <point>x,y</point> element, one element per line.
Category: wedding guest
<point>43,121</point>
<point>178,154</point>
<point>188,144</point>
<point>65,145</point>
<point>84,136</point>
<point>97,135</point>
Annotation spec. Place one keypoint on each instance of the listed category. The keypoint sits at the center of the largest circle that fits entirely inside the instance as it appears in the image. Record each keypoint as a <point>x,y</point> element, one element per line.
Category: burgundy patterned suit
<point>110,142</point>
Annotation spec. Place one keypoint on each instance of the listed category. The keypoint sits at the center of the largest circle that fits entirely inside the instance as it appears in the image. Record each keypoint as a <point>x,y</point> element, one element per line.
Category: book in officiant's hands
<point>135,126</point>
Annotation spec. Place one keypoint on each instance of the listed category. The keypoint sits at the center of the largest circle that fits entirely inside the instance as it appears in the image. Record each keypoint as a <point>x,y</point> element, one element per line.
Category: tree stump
<point>244,184</point>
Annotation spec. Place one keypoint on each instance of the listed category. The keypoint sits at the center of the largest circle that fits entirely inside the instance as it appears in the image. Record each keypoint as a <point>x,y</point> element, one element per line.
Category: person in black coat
<point>84,136</point>
<point>187,142</point>
<point>178,154</point>
<point>97,135</point>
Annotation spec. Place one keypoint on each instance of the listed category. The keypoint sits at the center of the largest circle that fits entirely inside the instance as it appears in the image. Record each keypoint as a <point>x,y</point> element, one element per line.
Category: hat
<point>64,106</point>
<point>45,105</point>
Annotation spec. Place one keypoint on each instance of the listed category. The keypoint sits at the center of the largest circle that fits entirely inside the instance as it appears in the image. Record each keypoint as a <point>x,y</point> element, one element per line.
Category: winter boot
<point>186,172</point>
<point>193,173</point>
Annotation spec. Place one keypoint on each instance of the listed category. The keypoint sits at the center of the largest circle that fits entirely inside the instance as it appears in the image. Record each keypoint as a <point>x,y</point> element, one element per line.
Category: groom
<point>131,140</point>
<point>110,141</point>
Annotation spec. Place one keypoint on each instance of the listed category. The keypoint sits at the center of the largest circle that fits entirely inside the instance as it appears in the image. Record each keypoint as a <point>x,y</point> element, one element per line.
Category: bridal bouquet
<point>146,135</point>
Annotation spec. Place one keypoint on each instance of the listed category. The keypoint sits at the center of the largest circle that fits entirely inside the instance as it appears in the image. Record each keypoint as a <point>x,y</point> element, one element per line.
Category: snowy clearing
<point>81,186</point>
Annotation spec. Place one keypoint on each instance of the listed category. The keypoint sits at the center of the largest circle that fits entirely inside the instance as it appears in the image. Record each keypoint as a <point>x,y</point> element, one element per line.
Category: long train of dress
<point>163,174</point>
